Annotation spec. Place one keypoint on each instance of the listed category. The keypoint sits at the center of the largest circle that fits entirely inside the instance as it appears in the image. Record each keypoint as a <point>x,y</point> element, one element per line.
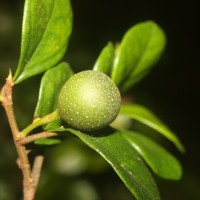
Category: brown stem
<point>37,166</point>
<point>31,138</point>
<point>28,181</point>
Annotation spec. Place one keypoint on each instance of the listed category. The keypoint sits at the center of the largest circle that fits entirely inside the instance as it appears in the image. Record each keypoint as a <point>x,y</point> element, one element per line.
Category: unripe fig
<point>89,100</point>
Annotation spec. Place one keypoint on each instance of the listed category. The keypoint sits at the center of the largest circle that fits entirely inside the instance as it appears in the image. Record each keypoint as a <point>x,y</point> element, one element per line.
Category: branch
<point>6,100</point>
<point>37,166</point>
<point>32,138</point>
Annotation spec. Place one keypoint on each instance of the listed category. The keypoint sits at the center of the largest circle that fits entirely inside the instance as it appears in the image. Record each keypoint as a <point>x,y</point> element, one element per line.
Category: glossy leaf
<point>105,60</point>
<point>145,116</point>
<point>124,159</point>
<point>47,25</point>
<point>140,48</point>
<point>160,161</point>
<point>51,84</point>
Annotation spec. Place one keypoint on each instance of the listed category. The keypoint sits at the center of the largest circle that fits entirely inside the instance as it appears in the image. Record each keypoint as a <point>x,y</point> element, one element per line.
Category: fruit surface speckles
<point>89,100</point>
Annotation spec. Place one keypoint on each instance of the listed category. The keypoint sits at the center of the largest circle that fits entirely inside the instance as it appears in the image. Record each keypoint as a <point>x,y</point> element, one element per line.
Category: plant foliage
<point>47,25</point>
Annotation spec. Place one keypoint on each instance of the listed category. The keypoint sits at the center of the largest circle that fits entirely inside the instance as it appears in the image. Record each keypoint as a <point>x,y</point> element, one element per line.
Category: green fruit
<point>89,100</point>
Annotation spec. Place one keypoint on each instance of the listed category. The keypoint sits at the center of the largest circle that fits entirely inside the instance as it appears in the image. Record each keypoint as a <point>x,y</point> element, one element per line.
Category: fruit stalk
<point>39,122</point>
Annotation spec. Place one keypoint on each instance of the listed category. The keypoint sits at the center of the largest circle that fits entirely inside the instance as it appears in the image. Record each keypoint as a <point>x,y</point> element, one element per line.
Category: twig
<point>37,166</point>
<point>6,100</point>
<point>31,138</point>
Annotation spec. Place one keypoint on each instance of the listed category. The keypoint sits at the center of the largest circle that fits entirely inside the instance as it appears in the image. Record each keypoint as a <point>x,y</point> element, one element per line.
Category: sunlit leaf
<point>51,84</point>
<point>139,50</point>
<point>47,25</point>
<point>145,116</point>
<point>105,60</point>
<point>160,161</point>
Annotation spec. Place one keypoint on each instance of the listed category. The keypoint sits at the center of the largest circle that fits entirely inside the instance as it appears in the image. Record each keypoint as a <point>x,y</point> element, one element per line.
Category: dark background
<point>171,90</point>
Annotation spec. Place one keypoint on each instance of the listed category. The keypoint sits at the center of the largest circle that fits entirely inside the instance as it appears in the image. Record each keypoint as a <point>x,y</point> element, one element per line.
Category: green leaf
<point>47,25</point>
<point>160,161</point>
<point>47,141</point>
<point>124,159</point>
<point>50,87</point>
<point>145,116</point>
<point>105,60</point>
<point>139,50</point>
